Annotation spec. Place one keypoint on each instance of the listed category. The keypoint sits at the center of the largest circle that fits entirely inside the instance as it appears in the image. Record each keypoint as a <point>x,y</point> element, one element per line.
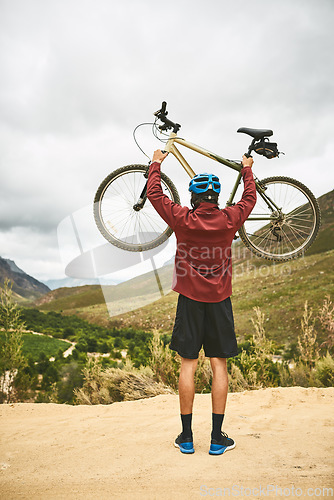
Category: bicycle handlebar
<point>167,124</point>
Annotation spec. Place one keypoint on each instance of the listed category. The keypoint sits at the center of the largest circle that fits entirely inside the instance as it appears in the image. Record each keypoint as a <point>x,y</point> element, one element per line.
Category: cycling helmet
<point>202,182</point>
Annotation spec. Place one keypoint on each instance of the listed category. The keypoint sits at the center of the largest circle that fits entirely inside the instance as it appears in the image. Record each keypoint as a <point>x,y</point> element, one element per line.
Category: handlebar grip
<point>248,155</point>
<point>163,107</point>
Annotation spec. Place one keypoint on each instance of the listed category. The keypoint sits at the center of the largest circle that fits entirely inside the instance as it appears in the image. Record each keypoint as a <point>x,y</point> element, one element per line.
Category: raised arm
<point>241,210</point>
<point>167,209</point>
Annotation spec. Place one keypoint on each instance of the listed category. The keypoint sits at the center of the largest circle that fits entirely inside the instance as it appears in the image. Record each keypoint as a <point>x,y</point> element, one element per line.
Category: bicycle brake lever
<point>248,155</point>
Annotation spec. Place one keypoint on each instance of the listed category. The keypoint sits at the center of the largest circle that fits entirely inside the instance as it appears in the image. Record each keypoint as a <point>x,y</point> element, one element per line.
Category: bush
<point>307,341</point>
<point>324,370</point>
<point>11,342</point>
<point>203,374</point>
<point>326,316</point>
<point>164,363</point>
<point>253,368</point>
<point>71,379</point>
<point>115,384</point>
<point>236,380</point>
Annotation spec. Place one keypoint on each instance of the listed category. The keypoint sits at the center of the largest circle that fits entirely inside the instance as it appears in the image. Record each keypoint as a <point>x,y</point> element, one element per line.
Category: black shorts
<point>207,324</point>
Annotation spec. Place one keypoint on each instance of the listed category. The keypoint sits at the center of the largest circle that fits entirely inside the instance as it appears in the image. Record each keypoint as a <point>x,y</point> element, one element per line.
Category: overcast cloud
<point>78,75</point>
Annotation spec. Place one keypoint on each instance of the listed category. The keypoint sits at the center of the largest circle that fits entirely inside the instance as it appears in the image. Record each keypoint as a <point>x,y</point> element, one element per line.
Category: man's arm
<point>241,210</point>
<point>167,209</point>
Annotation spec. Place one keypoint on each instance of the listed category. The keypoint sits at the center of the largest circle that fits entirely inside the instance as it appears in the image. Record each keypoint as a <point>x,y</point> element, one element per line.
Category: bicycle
<point>283,224</point>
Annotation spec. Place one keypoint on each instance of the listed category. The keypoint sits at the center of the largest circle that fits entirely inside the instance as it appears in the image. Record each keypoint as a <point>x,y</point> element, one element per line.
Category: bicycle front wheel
<point>116,217</point>
<point>284,222</point>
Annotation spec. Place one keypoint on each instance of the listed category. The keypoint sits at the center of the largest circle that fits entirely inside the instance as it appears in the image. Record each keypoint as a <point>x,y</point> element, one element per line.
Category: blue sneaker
<point>185,444</point>
<point>224,444</point>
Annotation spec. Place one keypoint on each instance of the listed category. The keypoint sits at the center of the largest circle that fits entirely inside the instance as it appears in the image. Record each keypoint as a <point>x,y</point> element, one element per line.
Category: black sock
<point>217,421</point>
<point>186,425</point>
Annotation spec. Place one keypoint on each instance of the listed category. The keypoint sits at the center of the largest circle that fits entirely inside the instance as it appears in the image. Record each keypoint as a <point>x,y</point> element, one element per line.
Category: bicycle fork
<point>143,196</point>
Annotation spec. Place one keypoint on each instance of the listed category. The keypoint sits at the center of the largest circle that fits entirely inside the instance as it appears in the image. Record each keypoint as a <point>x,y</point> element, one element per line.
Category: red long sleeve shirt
<point>203,260</point>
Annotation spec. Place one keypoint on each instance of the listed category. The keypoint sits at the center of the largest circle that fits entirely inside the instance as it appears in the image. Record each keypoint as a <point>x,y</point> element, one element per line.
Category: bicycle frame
<point>171,148</point>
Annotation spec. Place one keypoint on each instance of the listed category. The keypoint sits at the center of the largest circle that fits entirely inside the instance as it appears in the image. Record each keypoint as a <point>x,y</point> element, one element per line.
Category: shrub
<point>115,384</point>
<point>326,316</point>
<point>11,358</point>
<point>164,363</point>
<point>307,341</point>
<point>236,380</point>
<point>324,370</point>
<point>253,368</point>
<point>71,379</point>
<point>203,374</point>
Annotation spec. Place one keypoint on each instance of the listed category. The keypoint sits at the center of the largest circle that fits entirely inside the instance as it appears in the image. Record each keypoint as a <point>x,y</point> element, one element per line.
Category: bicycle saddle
<point>257,133</point>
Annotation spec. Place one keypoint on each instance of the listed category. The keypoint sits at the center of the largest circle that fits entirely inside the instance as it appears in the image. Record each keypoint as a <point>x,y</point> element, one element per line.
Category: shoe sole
<point>222,450</point>
<point>184,450</point>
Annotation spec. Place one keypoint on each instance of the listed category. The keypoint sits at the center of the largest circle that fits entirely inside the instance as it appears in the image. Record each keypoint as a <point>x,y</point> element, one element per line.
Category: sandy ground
<point>284,443</point>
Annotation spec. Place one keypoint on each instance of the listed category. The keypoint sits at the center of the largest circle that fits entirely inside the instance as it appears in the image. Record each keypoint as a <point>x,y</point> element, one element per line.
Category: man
<point>202,277</point>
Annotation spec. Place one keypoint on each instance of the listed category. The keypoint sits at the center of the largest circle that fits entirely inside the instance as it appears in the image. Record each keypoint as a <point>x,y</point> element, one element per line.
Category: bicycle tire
<point>121,190</point>
<point>303,209</point>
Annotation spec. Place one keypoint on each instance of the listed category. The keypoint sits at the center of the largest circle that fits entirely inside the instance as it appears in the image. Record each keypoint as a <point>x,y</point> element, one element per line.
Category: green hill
<point>280,290</point>
<point>70,298</point>
<point>325,238</point>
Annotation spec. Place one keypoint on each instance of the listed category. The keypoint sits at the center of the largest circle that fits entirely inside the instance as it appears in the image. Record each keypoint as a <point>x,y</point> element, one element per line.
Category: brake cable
<point>134,137</point>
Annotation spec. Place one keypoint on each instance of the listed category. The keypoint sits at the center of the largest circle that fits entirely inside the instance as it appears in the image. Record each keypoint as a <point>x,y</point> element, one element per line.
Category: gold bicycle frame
<point>171,148</point>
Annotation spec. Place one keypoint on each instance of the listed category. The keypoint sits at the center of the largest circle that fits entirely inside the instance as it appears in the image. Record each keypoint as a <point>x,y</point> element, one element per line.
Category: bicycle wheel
<point>288,226</point>
<point>116,218</point>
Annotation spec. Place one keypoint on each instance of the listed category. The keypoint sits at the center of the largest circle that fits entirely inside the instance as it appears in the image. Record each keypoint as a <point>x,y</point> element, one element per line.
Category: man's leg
<point>187,385</point>
<point>219,385</point>
<point>186,396</point>
<point>219,442</point>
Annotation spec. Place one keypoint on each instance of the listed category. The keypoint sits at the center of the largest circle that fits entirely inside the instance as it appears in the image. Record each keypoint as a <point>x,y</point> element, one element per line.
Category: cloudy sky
<point>78,75</point>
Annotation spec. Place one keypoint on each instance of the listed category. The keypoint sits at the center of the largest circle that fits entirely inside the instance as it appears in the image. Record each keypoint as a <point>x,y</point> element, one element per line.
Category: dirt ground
<point>284,447</point>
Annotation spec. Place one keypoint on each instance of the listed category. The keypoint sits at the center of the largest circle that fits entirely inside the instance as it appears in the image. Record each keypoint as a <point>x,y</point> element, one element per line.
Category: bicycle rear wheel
<point>116,218</point>
<point>286,230</point>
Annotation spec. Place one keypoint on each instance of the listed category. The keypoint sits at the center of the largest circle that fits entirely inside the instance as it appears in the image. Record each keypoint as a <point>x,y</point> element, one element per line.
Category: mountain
<point>24,286</point>
<point>75,282</point>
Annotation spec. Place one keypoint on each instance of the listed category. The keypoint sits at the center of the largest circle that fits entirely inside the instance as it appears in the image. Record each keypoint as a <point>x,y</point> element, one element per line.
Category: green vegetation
<point>283,316</point>
<point>44,374</point>
<point>59,325</point>
<point>87,336</point>
<point>11,357</point>
<point>34,345</point>
<point>279,289</point>
<point>325,238</point>
<point>154,368</point>
<point>253,368</point>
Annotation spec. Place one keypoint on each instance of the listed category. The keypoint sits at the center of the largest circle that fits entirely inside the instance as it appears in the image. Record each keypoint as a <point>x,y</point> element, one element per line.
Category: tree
<point>11,357</point>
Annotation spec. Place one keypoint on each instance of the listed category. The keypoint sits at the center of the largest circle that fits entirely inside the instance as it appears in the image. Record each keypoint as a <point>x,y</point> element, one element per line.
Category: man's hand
<point>159,156</point>
<point>247,162</point>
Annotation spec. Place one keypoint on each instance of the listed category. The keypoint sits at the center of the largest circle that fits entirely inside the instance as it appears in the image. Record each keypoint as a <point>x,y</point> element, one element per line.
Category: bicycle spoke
<point>293,224</point>
<point>119,218</point>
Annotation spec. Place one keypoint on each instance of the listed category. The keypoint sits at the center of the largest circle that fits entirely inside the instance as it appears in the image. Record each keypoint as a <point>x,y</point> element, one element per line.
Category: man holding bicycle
<point>202,277</point>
